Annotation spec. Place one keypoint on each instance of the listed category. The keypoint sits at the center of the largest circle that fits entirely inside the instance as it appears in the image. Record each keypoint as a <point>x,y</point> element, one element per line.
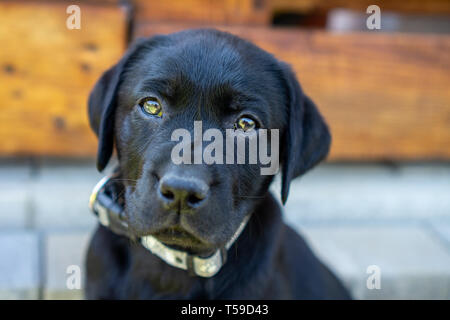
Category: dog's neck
<point>250,252</point>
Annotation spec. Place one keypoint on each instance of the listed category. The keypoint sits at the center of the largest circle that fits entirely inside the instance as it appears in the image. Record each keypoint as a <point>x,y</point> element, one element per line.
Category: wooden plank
<point>405,6</point>
<point>47,72</point>
<point>385,96</point>
<point>245,12</point>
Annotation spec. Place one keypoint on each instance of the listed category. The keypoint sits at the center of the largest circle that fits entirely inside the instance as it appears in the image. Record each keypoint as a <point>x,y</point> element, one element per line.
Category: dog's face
<point>166,83</point>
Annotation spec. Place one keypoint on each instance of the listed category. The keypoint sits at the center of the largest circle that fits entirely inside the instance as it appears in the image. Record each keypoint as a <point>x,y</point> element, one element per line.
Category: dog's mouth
<point>180,239</point>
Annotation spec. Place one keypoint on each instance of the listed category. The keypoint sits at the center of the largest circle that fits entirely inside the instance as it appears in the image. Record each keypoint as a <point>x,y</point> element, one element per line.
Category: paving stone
<point>61,196</point>
<point>16,173</point>
<point>14,196</point>
<point>363,193</point>
<point>64,251</point>
<point>19,265</point>
<point>353,215</point>
<point>413,263</point>
<point>14,206</point>
<point>442,230</point>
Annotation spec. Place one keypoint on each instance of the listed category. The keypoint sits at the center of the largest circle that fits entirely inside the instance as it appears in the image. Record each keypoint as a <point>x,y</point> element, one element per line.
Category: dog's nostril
<point>168,194</point>
<point>193,199</point>
<point>182,193</point>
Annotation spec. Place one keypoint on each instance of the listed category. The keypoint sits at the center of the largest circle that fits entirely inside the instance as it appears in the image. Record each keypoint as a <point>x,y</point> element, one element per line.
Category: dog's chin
<point>180,239</point>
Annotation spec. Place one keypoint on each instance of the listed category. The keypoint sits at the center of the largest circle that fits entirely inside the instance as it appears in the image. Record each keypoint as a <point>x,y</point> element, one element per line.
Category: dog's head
<point>166,83</point>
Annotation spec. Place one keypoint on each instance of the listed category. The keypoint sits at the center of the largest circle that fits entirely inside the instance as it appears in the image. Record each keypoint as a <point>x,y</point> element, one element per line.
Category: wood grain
<point>246,12</point>
<point>47,72</point>
<point>385,96</point>
<point>400,6</point>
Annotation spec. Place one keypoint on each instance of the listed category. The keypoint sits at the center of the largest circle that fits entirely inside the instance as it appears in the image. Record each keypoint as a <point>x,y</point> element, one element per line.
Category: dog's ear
<point>102,106</point>
<point>306,139</point>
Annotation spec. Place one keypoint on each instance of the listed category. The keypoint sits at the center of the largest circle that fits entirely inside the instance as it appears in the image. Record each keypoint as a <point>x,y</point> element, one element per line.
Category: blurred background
<point>381,199</point>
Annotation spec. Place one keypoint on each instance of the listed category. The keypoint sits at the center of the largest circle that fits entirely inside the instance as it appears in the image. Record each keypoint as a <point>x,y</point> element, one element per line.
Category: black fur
<point>214,77</point>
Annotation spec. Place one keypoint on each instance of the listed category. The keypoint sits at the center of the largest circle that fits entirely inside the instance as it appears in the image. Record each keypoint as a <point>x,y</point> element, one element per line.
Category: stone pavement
<point>396,218</point>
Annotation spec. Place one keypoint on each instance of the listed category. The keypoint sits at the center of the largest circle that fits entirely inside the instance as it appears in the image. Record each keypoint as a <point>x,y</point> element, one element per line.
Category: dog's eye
<point>151,106</point>
<point>245,123</point>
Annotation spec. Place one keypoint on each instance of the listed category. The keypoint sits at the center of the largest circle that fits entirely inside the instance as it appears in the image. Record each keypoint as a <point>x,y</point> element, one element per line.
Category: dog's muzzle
<point>110,214</point>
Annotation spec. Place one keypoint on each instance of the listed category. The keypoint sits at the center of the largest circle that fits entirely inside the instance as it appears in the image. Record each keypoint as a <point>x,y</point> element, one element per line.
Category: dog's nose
<point>182,193</point>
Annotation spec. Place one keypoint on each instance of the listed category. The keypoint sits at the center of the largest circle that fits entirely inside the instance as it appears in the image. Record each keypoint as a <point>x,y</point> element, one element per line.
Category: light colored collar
<point>109,215</point>
<point>203,267</point>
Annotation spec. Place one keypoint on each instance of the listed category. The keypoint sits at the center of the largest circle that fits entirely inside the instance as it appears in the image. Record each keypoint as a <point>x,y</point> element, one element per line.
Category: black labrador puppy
<point>193,217</point>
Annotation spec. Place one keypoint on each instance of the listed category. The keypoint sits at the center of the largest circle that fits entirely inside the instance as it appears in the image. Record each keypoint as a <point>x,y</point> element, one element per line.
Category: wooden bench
<point>385,96</point>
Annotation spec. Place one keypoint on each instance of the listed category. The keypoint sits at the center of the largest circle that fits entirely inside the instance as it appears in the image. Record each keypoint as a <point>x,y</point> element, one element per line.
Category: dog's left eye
<point>151,106</point>
<point>245,123</point>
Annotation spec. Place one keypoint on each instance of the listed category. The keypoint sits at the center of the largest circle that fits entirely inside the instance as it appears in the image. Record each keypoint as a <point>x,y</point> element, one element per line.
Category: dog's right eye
<point>151,106</point>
